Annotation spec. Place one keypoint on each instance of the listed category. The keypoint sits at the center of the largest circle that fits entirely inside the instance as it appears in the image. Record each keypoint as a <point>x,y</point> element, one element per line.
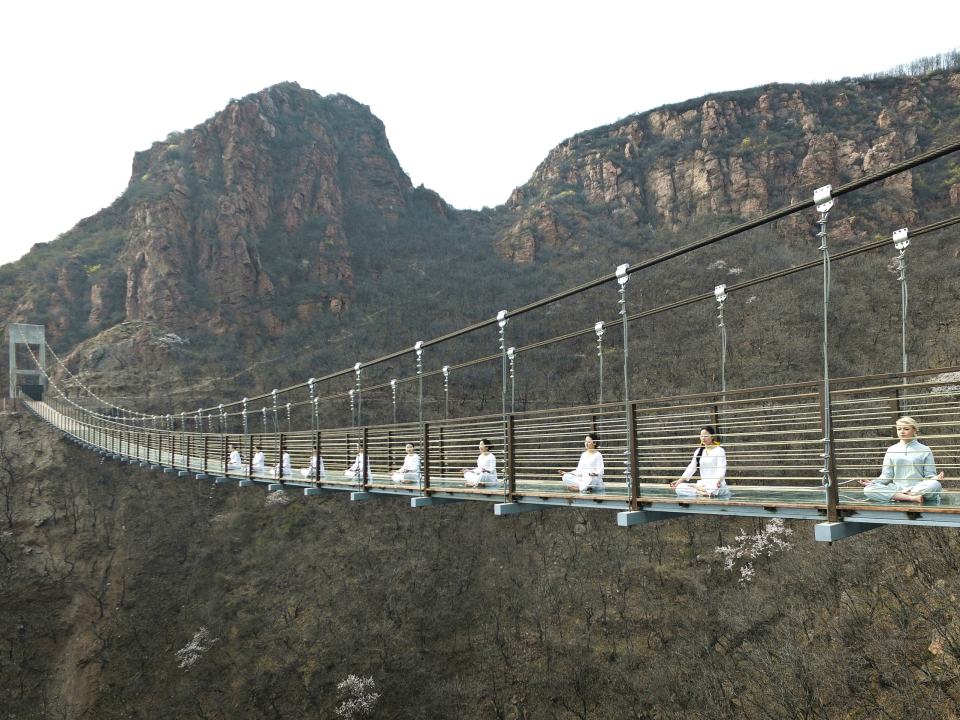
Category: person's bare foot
<point>908,497</point>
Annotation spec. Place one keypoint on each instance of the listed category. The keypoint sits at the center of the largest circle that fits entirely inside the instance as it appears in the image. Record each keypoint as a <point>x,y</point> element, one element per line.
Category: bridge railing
<point>773,438</point>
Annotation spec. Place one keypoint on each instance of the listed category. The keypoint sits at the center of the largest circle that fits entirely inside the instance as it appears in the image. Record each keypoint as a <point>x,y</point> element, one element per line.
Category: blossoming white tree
<point>765,542</point>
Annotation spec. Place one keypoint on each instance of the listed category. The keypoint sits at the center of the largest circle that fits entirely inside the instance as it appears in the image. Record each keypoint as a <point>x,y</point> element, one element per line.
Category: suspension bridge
<point>793,451</point>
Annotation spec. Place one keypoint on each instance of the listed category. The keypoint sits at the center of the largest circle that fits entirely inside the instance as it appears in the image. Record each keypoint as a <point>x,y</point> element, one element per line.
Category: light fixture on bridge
<point>351,392</point>
<point>245,400</point>
<point>276,420</point>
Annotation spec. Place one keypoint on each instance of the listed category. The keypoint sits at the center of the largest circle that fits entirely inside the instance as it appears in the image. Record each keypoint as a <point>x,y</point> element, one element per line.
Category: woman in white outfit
<point>486,469</point>
<point>354,470</point>
<point>410,470</point>
<point>257,465</point>
<point>589,472</point>
<point>285,463</point>
<point>234,463</point>
<point>711,460</point>
<point>909,473</point>
<point>309,472</point>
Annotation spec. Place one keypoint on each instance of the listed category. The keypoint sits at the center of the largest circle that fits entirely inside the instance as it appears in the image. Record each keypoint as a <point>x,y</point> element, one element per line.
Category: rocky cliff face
<point>740,155</point>
<point>238,224</point>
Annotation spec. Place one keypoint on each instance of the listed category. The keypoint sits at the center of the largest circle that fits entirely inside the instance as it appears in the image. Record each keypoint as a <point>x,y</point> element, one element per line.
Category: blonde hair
<point>909,421</point>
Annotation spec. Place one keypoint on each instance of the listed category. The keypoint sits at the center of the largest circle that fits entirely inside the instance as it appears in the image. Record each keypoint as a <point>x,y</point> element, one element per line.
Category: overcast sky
<point>473,95</point>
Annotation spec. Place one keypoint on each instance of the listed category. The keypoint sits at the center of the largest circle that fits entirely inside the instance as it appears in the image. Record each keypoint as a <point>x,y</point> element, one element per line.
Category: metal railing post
<point>634,459</point>
<point>511,486</point>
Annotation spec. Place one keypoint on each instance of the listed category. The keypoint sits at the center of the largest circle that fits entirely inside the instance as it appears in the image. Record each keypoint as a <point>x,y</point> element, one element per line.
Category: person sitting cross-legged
<point>909,473</point>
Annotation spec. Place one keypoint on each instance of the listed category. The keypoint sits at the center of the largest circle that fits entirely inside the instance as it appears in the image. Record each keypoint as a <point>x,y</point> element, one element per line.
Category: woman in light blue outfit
<point>909,473</point>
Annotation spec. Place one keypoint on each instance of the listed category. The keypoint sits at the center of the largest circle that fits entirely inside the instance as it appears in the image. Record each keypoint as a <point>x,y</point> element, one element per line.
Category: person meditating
<point>257,465</point>
<point>909,473</point>
<point>711,460</point>
<point>309,472</point>
<point>410,470</point>
<point>589,472</point>
<point>358,465</point>
<point>234,463</point>
<point>486,469</point>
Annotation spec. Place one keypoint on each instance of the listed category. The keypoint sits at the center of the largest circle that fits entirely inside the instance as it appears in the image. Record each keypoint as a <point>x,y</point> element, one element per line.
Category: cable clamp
<point>901,240</point>
<point>822,198</point>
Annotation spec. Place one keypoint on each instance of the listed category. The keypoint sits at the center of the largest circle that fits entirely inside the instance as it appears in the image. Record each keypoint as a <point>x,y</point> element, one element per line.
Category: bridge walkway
<point>773,438</point>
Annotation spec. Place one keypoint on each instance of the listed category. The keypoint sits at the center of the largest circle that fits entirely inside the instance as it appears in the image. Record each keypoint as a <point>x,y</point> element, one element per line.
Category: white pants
<point>690,489</point>
<point>582,481</point>
<point>879,492</point>
<point>404,477</point>
<point>477,477</point>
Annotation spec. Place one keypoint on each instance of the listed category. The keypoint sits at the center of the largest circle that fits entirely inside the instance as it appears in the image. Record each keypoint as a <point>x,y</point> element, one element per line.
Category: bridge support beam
<point>502,509</point>
<point>640,517</point>
<point>322,491</point>
<point>830,531</point>
<point>416,502</point>
<point>369,495</point>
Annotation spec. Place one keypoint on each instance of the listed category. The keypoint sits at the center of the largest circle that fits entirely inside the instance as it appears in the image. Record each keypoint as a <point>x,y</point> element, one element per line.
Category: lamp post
<point>245,426</point>
<point>822,199</point>
<point>276,421</point>
<point>223,420</point>
<point>502,322</point>
<point>351,392</point>
<point>288,417</point>
<point>901,241</point>
<point>720,292</point>
<point>598,329</point>
<point>358,369</point>
<point>419,350</point>
<point>393,391</point>
<point>511,354</point>
<point>183,422</point>
<point>200,421</point>
<point>622,277</point>
<point>313,406</point>
<point>446,390</point>
<point>264,421</point>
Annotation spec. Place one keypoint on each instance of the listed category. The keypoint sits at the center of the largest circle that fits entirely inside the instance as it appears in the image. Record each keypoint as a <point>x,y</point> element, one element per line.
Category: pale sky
<point>473,95</point>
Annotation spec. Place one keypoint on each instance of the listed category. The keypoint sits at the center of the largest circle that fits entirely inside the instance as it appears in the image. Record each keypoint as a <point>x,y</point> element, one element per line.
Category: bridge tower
<point>26,336</point>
